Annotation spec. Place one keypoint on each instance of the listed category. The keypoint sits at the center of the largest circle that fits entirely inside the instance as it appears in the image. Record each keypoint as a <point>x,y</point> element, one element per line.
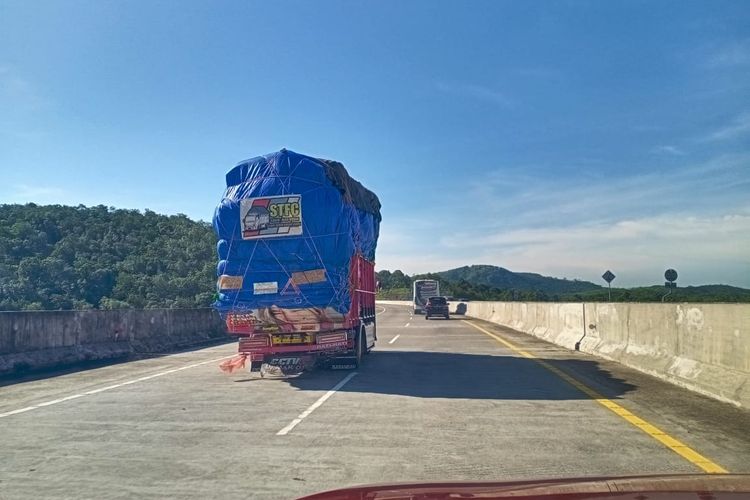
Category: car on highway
<point>436,306</point>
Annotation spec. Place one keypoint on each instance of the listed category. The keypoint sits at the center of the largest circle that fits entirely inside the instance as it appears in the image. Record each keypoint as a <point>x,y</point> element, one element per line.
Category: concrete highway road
<point>436,400</point>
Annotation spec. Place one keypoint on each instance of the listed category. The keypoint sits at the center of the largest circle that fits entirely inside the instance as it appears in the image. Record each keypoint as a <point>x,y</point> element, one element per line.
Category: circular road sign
<point>670,275</point>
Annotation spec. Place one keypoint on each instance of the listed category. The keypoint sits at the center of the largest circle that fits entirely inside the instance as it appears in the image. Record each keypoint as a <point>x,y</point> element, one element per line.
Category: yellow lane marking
<point>673,444</point>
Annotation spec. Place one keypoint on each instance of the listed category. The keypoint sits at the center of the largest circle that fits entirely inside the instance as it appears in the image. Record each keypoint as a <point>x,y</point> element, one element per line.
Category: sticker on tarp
<point>227,282</point>
<point>307,277</point>
<point>271,216</point>
<point>265,287</point>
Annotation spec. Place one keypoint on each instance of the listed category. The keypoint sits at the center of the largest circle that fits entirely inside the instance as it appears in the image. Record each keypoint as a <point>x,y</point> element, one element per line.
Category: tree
<point>58,257</point>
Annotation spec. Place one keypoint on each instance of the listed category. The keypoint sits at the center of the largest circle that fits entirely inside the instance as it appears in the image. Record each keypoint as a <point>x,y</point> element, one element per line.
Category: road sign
<point>671,276</point>
<point>608,276</point>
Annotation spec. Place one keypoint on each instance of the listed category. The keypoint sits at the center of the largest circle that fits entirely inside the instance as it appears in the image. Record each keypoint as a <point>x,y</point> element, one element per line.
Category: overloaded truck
<point>296,278</point>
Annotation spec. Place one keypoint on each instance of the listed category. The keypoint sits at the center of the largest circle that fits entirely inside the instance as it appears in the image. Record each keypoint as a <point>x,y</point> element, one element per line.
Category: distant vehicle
<point>423,290</point>
<point>436,306</point>
<point>461,308</point>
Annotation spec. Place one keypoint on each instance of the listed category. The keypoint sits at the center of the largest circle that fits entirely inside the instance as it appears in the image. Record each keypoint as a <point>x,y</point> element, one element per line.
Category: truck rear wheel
<point>360,346</point>
<point>368,348</point>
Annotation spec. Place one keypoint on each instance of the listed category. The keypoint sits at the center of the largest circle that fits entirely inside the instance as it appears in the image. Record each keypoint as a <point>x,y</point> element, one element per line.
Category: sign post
<point>608,277</point>
<point>671,276</point>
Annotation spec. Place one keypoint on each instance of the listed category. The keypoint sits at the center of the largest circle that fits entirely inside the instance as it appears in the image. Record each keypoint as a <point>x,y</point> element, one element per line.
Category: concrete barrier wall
<point>393,302</point>
<point>45,339</point>
<point>703,347</point>
<point>409,303</point>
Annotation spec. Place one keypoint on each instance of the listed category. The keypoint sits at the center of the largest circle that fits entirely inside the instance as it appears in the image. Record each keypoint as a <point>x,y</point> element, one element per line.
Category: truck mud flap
<point>288,364</point>
<point>342,363</point>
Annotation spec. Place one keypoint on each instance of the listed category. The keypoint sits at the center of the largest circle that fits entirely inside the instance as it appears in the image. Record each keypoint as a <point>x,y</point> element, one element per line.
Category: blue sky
<point>564,138</point>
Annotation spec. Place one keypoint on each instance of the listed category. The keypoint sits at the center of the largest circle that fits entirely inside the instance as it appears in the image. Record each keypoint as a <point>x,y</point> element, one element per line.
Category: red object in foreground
<point>233,364</point>
<point>666,487</point>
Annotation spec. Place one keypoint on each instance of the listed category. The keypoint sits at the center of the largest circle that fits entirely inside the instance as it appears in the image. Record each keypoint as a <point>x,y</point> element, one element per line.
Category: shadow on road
<point>30,375</point>
<point>468,376</point>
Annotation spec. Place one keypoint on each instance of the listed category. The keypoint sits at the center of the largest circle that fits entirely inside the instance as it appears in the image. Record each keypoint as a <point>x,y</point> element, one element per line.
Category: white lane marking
<point>109,387</point>
<point>407,325</point>
<point>315,405</point>
<point>381,312</point>
<point>55,401</point>
<point>394,339</point>
<point>20,410</point>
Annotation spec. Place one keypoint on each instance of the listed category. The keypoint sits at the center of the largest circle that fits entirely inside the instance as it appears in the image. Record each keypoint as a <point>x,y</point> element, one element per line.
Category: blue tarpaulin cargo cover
<point>288,226</point>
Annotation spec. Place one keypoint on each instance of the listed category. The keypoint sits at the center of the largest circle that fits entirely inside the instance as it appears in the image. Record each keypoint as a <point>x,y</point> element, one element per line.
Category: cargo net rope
<point>296,243</point>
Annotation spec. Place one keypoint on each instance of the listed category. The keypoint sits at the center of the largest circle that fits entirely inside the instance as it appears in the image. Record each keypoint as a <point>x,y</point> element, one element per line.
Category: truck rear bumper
<point>312,349</point>
<point>246,346</point>
<point>437,313</point>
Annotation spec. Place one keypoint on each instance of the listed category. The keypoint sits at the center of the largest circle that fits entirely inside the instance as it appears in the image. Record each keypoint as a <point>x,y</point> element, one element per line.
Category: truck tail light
<point>330,338</point>
<point>254,342</point>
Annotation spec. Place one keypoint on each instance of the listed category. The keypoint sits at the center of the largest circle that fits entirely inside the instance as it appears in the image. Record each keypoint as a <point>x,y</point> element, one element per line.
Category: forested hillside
<point>60,257</point>
<point>397,286</point>
<point>503,279</point>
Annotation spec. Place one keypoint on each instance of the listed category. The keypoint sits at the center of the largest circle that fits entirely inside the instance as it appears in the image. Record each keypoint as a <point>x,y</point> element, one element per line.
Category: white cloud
<point>739,126</point>
<point>704,250</point>
<point>638,248</point>
<point>538,72</point>
<point>24,193</point>
<point>733,54</point>
<point>20,102</point>
<point>671,150</point>
<point>519,197</point>
<point>477,92</point>
<point>16,91</point>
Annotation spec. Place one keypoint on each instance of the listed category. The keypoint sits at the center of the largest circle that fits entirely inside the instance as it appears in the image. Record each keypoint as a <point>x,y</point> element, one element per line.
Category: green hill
<point>498,277</point>
<point>61,257</point>
<point>482,282</point>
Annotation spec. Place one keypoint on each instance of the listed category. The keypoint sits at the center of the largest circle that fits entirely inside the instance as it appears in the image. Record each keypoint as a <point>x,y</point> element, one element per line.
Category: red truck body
<point>310,337</point>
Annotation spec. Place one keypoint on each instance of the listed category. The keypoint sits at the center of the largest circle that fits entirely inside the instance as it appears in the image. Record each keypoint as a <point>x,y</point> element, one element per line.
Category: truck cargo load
<point>296,244</point>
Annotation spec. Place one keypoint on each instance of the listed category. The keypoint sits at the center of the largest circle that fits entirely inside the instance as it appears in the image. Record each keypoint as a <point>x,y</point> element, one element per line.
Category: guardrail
<point>703,347</point>
<point>32,340</point>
